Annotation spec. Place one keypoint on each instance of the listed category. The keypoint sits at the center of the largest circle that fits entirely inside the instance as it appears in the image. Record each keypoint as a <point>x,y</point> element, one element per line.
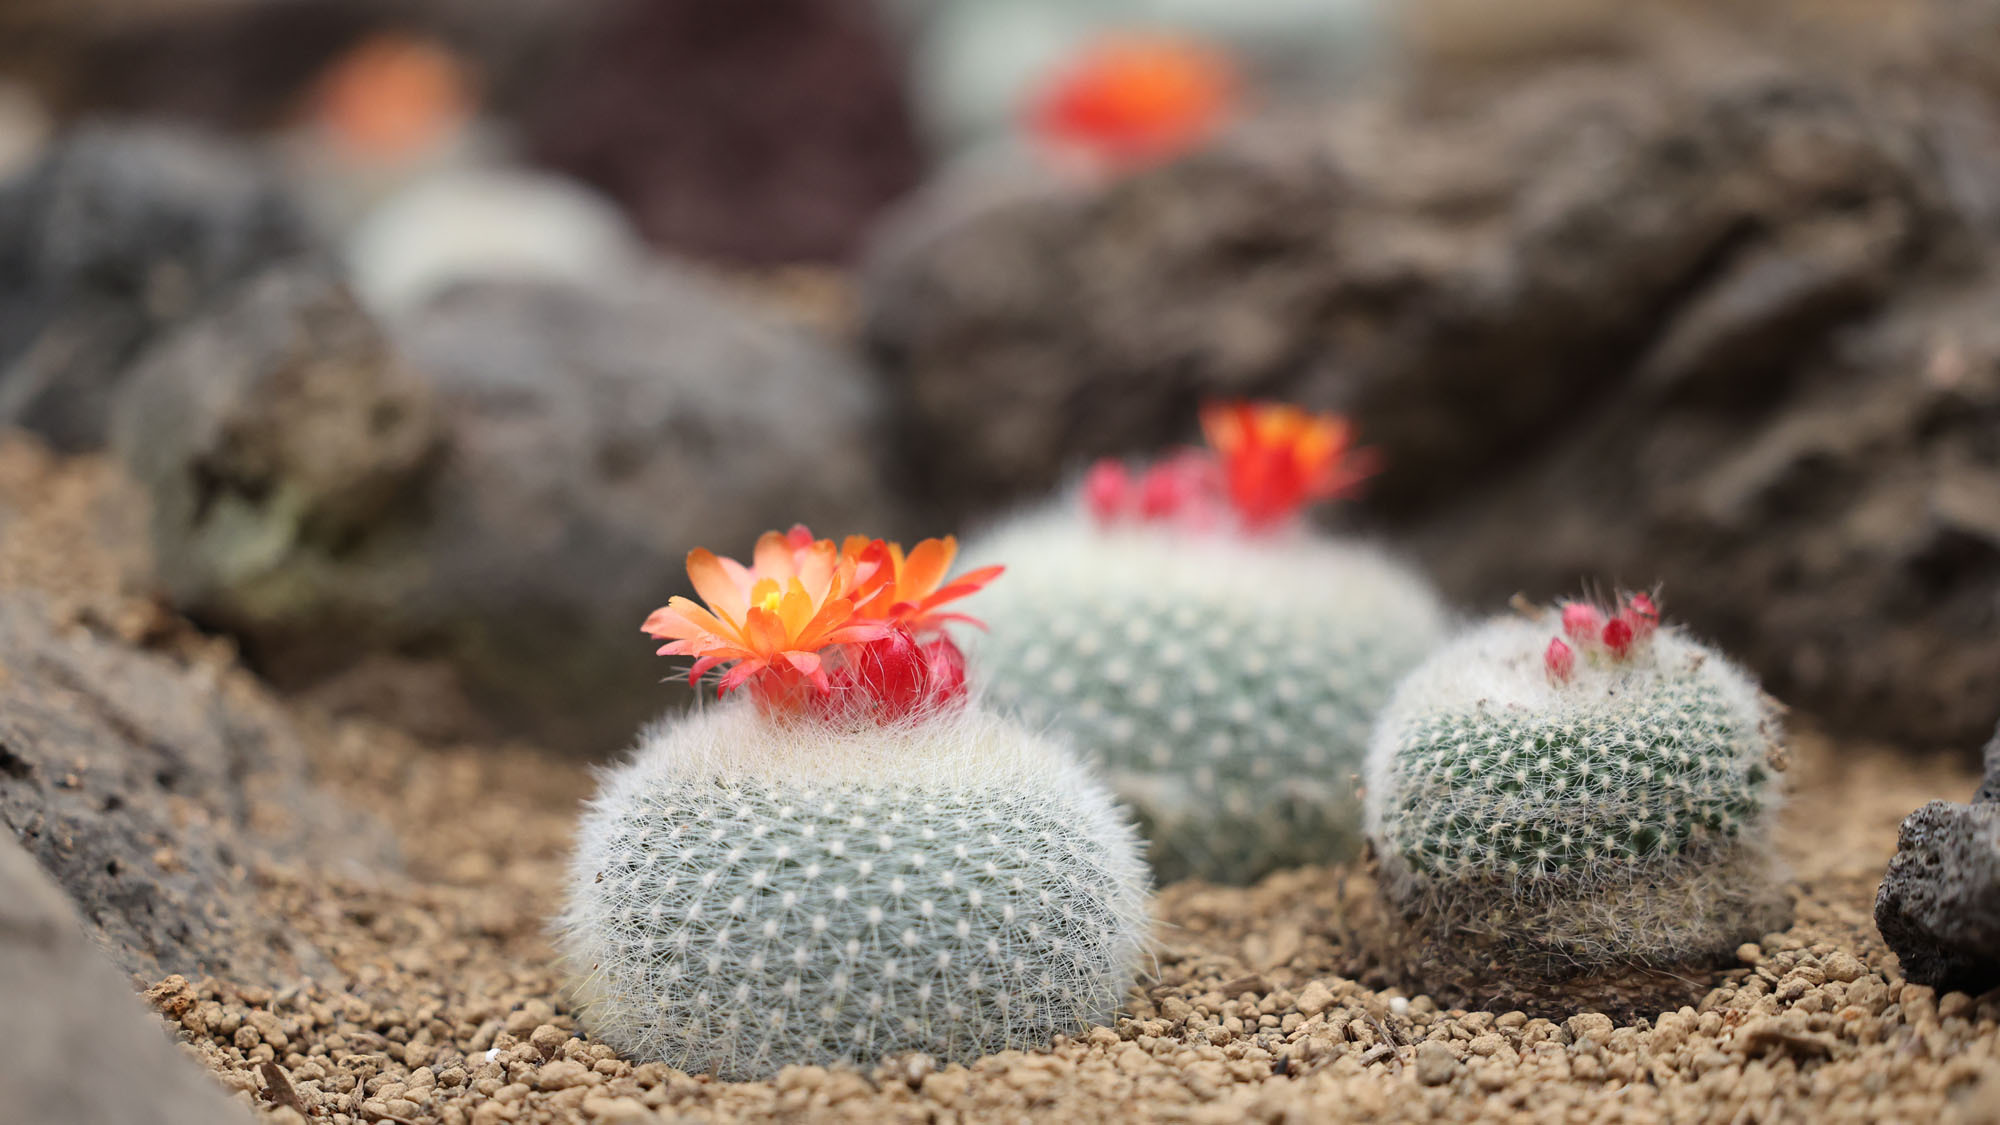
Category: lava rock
<point>509,490</point>
<point>1939,904</point>
<point>119,233</point>
<point>1636,324</point>
<point>95,1056</point>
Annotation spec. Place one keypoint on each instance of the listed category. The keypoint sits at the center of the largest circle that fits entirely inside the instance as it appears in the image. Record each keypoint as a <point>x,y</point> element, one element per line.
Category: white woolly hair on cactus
<point>1224,681</point>
<point>851,858</point>
<point>1589,791</point>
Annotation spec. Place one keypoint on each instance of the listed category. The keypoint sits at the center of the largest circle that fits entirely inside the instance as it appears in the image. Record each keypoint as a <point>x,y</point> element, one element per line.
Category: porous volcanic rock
<point>1939,904</point>
<point>1726,327</point>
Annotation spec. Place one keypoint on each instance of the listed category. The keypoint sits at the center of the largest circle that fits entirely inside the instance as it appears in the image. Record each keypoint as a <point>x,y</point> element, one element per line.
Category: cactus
<point>1221,663</point>
<point>856,860</point>
<point>1580,803</point>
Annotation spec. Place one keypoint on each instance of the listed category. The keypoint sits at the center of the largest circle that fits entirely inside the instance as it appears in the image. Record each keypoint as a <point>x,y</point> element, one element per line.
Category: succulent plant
<point>1220,662</point>
<point>849,858</point>
<point>1586,802</point>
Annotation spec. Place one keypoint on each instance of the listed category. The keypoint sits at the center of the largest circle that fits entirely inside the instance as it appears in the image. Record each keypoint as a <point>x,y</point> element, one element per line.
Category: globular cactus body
<point>1553,811</point>
<point>754,891</point>
<point>1225,683</point>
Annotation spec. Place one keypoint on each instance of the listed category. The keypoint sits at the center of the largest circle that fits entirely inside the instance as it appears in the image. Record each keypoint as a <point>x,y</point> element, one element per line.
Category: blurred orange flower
<point>1136,100</point>
<point>1276,457</point>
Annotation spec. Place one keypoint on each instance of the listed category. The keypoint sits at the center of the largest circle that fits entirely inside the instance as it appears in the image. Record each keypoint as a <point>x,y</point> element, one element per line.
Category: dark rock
<point>512,502</point>
<point>766,133</point>
<point>1624,324</point>
<point>1939,904</point>
<point>89,1053</point>
<point>117,234</point>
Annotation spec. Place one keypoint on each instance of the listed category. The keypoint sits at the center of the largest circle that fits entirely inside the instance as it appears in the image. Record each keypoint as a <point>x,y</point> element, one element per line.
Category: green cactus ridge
<point>1225,686</point>
<point>750,893</point>
<point>1623,814</point>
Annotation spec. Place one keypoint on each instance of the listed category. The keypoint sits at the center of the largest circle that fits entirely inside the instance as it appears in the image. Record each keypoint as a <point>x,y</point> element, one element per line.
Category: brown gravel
<point>444,1007</point>
<point>1259,1008</point>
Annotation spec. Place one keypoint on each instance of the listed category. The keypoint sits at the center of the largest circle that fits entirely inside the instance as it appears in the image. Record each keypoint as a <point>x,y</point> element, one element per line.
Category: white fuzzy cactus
<point>851,859</point>
<point>748,894</point>
<point>1223,671</point>
<point>1576,794</point>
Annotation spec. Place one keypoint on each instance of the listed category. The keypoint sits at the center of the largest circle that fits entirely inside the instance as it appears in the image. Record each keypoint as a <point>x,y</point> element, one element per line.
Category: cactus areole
<point>848,857</point>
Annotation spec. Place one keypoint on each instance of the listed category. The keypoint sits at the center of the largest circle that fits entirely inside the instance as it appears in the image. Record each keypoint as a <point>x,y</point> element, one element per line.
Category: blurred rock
<point>117,234</point>
<point>1939,904</point>
<point>511,493</point>
<point>769,133</point>
<point>1607,324</point>
<point>96,1057</point>
<point>143,771</point>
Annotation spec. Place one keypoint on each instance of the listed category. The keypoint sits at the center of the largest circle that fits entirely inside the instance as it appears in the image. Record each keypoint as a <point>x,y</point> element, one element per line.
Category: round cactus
<point>850,859</point>
<point>748,894</point>
<point>1573,803</point>
<point>1222,664</point>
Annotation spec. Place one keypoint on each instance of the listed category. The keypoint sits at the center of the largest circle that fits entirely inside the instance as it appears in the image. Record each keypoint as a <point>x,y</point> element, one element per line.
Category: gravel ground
<point>1260,1006</point>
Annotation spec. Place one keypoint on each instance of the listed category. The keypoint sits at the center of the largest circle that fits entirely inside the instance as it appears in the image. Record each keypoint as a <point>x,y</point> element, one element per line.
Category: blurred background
<point>432,334</point>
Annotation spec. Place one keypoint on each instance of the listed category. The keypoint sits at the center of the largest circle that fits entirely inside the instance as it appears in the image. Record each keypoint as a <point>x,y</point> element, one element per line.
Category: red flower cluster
<point>1615,635</point>
<point>1265,462</point>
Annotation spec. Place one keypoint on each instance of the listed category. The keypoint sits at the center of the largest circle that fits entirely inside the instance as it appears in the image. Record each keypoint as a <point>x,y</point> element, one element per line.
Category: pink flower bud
<point>1560,661</point>
<point>1582,621</point>
<point>1642,615</point>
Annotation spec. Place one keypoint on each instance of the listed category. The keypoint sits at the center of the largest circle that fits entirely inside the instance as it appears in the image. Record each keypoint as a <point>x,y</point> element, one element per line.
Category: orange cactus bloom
<point>908,589</point>
<point>772,621</point>
<point>783,619</point>
<point>1276,458</point>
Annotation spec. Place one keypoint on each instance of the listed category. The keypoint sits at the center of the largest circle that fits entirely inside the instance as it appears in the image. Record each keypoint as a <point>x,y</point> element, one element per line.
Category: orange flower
<point>1276,457</point>
<point>1134,100</point>
<point>783,620</point>
<point>772,620</point>
<point>907,590</point>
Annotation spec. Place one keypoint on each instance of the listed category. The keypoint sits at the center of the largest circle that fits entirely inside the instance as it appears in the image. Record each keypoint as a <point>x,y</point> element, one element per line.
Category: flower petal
<point>713,582</point>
